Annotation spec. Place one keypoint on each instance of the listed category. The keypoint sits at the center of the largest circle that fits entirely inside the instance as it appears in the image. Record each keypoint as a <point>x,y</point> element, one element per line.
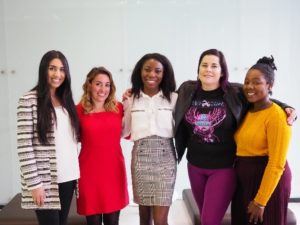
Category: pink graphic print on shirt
<point>204,116</point>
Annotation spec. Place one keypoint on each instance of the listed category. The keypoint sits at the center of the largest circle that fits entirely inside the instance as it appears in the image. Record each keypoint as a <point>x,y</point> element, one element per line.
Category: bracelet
<point>258,205</point>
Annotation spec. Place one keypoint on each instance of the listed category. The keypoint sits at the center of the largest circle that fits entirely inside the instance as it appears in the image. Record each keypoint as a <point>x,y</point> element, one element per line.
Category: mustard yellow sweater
<point>265,133</point>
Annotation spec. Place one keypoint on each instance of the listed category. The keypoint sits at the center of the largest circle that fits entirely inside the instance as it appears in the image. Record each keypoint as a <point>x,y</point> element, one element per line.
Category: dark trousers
<point>58,217</point>
<point>250,171</point>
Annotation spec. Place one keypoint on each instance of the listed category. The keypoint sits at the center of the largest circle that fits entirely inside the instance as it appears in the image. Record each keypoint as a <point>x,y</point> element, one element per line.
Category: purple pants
<point>213,190</point>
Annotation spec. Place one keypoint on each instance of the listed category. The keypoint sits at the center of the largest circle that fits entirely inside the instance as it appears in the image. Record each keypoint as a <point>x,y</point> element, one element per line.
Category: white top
<point>146,116</point>
<point>66,148</point>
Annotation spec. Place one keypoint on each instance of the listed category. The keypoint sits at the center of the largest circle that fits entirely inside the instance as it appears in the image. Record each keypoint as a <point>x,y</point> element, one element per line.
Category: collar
<point>159,94</point>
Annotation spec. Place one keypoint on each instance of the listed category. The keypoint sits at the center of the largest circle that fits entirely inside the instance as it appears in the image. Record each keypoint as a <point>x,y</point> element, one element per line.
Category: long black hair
<point>168,83</point>
<point>45,110</point>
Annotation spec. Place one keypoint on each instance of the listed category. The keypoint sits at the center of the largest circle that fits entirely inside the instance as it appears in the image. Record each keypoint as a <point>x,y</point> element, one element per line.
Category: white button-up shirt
<point>146,116</point>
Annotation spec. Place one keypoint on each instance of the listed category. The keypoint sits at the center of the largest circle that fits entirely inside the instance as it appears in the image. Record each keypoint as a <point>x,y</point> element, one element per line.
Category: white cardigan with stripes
<point>37,161</point>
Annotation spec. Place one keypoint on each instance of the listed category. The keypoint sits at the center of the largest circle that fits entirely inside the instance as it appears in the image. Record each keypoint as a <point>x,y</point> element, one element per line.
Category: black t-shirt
<point>211,126</point>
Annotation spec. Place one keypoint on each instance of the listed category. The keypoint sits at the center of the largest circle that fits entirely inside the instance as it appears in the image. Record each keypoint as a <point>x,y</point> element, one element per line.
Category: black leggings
<point>54,216</point>
<point>106,218</point>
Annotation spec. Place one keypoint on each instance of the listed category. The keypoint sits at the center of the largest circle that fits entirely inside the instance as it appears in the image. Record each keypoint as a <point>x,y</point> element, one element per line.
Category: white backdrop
<point>116,33</point>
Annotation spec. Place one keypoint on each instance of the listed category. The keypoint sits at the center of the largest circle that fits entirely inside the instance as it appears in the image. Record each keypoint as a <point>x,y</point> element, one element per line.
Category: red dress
<point>103,182</point>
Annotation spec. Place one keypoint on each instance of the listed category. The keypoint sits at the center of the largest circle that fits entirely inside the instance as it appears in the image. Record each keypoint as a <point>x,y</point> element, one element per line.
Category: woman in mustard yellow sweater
<point>264,177</point>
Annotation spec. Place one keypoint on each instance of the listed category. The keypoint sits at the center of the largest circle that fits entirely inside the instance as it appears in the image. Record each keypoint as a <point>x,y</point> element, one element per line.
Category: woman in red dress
<point>103,183</point>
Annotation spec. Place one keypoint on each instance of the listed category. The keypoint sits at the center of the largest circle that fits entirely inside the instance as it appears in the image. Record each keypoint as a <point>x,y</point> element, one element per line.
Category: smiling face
<point>152,75</point>
<point>256,88</point>
<point>56,74</point>
<point>100,88</point>
<point>210,72</point>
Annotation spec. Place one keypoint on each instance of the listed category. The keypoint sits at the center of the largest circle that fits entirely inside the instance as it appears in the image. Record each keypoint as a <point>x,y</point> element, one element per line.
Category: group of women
<point>236,139</point>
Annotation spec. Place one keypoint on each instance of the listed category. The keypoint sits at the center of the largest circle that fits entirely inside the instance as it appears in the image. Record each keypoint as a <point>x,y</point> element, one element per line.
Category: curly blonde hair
<point>110,104</point>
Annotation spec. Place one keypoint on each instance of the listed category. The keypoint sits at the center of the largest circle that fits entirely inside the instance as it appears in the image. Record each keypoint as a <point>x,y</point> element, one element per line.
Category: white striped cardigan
<point>37,161</point>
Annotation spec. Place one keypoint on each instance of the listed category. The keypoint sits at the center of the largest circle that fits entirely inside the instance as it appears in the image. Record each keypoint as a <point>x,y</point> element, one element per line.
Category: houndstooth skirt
<point>153,171</point>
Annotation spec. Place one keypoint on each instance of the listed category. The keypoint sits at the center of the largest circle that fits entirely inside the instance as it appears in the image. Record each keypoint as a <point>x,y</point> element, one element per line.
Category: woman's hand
<point>255,212</point>
<point>291,115</point>
<point>38,196</point>
<point>126,95</point>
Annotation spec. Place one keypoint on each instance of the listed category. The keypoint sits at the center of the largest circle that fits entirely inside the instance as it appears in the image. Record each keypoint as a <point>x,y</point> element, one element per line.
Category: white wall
<point>116,33</point>
<point>6,168</point>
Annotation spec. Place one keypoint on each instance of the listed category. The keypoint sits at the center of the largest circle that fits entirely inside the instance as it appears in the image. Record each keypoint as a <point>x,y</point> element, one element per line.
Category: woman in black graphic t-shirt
<point>207,113</point>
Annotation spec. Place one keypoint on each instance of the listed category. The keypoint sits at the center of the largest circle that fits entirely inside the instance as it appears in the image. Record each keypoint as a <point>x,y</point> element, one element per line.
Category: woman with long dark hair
<point>47,133</point>
<point>148,119</point>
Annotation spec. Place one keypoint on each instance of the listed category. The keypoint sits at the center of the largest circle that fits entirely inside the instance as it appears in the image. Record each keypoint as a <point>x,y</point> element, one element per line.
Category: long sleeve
<point>25,135</point>
<point>126,122</point>
<point>278,137</point>
<point>265,133</point>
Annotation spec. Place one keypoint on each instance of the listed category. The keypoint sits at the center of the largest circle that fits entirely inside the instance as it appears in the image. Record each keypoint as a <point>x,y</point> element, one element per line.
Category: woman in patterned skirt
<point>148,119</point>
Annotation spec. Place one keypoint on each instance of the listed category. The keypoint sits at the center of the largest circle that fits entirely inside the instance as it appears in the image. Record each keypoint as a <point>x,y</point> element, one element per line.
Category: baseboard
<point>294,200</point>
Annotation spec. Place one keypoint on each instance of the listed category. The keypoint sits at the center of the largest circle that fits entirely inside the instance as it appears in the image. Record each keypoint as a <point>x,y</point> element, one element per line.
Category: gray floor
<point>178,214</point>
